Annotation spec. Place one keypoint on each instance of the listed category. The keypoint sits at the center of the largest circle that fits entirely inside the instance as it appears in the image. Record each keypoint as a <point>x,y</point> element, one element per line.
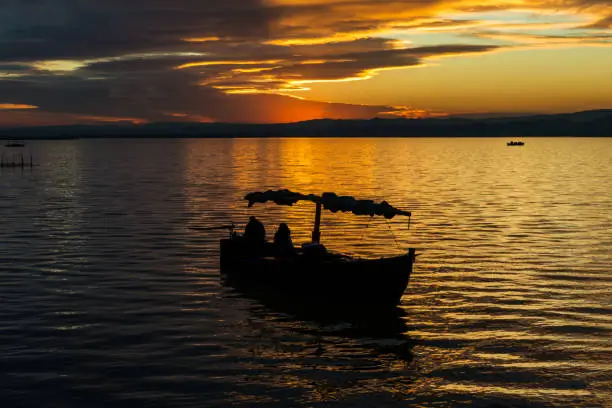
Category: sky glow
<point>238,60</point>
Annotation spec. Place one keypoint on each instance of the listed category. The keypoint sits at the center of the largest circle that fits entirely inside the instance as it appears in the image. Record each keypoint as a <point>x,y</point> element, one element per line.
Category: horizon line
<point>468,116</point>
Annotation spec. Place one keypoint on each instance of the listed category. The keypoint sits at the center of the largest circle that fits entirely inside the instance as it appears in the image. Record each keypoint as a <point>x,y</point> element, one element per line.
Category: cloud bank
<point>246,60</point>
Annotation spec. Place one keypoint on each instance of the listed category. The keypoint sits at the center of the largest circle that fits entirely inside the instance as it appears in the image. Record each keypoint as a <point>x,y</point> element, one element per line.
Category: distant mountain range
<point>580,124</point>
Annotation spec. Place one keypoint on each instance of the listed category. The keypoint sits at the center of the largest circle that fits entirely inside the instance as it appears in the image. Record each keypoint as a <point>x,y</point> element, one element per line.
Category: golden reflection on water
<point>309,166</point>
<point>104,269</point>
<point>518,391</point>
<point>513,243</point>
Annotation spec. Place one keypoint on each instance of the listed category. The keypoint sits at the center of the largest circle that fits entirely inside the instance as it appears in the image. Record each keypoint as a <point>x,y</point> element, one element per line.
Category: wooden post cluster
<point>15,159</point>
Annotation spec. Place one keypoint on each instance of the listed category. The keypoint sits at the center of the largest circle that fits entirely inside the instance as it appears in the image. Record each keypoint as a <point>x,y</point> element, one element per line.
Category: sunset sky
<point>108,61</point>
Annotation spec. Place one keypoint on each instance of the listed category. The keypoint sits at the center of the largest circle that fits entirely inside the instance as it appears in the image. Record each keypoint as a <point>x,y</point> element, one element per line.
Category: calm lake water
<point>111,297</point>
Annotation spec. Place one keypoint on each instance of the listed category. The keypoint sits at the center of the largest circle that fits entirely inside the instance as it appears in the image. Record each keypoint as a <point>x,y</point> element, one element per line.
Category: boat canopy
<point>329,201</point>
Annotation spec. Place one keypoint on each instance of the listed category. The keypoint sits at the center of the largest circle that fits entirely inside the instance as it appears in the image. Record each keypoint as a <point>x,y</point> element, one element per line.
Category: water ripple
<point>111,297</point>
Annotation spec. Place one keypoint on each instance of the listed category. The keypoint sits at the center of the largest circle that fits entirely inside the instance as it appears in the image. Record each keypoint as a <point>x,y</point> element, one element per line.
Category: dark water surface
<point>110,297</point>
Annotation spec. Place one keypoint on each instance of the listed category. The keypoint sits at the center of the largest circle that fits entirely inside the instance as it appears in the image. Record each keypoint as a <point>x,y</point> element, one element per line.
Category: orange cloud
<point>16,106</point>
<point>201,39</point>
<point>411,113</point>
<point>224,62</point>
<point>109,119</point>
<point>186,117</point>
<point>294,71</point>
<point>36,117</point>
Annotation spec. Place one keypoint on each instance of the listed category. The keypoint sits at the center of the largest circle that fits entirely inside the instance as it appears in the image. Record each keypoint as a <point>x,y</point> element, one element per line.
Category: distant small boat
<point>15,143</point>
<point>512,143</point>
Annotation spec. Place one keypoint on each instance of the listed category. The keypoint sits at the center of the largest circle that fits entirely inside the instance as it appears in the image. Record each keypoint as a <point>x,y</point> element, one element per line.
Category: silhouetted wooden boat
<point>512,143</point>
<point>312,272</point>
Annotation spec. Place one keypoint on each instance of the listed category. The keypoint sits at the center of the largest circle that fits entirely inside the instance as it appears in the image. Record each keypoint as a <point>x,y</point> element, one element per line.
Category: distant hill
<point>580,124</point>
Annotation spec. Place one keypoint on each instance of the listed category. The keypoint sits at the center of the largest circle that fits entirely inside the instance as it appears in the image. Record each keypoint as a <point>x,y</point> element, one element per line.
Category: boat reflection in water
<point>379,331</point>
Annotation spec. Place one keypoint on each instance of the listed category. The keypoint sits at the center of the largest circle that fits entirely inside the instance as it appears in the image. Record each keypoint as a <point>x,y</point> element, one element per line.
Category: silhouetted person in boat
<point>282,240</point>
<point>255,232</point>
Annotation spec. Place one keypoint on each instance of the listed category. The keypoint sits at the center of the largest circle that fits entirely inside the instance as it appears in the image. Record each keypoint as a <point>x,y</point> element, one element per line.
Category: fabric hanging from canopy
<point>330,201</point>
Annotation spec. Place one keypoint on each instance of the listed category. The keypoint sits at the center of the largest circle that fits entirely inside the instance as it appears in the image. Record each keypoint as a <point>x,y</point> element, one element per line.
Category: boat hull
<point>332,280</point>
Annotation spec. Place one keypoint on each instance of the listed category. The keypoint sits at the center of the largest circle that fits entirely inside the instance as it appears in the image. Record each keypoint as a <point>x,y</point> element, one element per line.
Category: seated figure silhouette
<point>255,232</point>
<point>282,240</point>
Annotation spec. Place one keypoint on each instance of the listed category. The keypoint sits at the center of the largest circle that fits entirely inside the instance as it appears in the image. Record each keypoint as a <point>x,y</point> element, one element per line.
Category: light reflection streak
<point>518,391</point>
<point>465,302</point>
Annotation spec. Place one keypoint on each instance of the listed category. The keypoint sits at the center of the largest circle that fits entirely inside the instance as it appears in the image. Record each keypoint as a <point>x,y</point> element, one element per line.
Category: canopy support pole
<point>316,233</point>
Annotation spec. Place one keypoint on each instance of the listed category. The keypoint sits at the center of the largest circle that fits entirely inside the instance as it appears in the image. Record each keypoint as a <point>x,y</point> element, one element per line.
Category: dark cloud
<point>145,96</point>
<point>157,97</point>
<point>135,66</point>
<point>85,29</point>
<point>14,68</point>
